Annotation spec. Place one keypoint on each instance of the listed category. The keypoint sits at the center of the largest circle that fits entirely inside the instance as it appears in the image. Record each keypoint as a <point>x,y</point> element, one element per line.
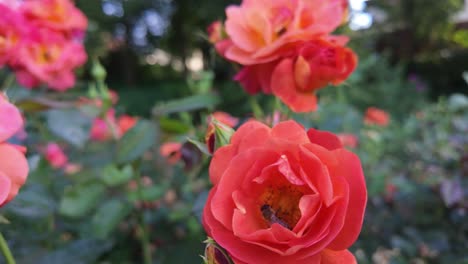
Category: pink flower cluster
<point>13,164</point>
<point>41,41</point>
<point>286,47</point>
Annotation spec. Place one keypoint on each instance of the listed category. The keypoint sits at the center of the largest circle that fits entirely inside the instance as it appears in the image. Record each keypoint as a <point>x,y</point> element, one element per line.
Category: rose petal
<point>337,257</point>
<point>15,166</point>
<point>283,86</point>
<point>324,138</point>
<point>11,120</point>
<point>351,170</point>
<point>5,185</point>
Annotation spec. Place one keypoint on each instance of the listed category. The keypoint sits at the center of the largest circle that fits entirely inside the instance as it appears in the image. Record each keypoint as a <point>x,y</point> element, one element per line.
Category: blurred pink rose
<point>125,123</point>
<point>215,32</point>
<point>171,151</point>
<point>55,156</point>
<point>100,128</point>
<point>104,129</point>
<point>61,15</point>
<point>13,29</point>
<point>13,164</point>
<point>49,57</point>
<point>261,30</point>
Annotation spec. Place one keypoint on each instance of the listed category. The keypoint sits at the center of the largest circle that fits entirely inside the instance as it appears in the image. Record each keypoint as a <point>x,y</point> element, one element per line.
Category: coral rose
<point>318,63</point>
<point>376,116</point>
<point>284,195</point>
<point>260,30</point>
<point>13,164</point>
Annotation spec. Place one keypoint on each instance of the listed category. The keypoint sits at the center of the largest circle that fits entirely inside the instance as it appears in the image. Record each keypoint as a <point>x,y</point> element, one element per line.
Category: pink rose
<point>13,164</point>
<point>55,156</point>
<point>13,28</point>
<point>60,15</point>
<point>49,57</point>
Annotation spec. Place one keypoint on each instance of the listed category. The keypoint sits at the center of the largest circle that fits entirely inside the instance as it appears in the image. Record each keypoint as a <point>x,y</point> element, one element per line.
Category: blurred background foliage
<point>412,58</point>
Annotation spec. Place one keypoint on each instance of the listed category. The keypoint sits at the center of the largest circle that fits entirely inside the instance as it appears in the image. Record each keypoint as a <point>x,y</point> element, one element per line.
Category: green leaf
<point>70,125</point>
<point>186,104</point>
<point>112,176</point>
<point>147,193</point>
<point>77,252</point>
<point>108,216</point>
<point>136,141</point>
<point>79,200</point>
<point>3,220</point>
<point>173,126</point>
<point>34,202</point>
<point>200,145</point>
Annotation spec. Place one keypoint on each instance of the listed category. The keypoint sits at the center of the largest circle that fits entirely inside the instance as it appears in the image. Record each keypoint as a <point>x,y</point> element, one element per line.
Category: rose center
<point>280,205</point>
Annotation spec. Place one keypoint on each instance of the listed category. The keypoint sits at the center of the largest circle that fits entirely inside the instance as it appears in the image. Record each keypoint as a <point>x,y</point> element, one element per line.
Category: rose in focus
<point>285,195</point>
<point>13,164</point>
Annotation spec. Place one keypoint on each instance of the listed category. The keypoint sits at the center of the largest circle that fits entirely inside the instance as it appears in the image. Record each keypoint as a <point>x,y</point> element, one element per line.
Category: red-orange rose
<point>376,116</point>
<point>284,195</point>
<point>317,64</point>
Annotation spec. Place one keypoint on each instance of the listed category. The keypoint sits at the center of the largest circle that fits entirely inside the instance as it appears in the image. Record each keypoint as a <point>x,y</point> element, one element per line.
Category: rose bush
<point>13,164</point>
<point>284,195</point>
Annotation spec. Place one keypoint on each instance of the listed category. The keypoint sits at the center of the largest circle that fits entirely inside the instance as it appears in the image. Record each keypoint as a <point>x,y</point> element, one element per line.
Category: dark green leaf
<point>186,104</point>
<point>136,141</point>
<point>79,200</point>
<point>108,216</point>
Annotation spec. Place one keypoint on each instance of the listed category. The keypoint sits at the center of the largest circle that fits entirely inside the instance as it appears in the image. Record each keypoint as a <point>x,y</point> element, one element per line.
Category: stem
<point>6,250</point>
<point>9,79</point>
<point>144,238</point>
<point>256,109</point>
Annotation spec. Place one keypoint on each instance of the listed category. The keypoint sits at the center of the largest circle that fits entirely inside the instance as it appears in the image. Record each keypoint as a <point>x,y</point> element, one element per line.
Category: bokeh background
<point>413,63</point>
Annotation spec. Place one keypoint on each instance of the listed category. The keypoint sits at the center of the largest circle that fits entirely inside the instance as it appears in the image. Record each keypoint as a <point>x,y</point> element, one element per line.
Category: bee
<point>270,215</point>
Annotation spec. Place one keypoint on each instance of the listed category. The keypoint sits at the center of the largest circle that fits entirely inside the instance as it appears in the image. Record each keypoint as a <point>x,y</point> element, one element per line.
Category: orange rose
<point>317,64</point>
<point>376,116</point>
<point>260,30</point>
<point>284,195</point>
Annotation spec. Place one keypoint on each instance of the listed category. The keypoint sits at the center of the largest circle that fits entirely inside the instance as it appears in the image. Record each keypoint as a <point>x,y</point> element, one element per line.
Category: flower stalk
<point>6,251</point>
